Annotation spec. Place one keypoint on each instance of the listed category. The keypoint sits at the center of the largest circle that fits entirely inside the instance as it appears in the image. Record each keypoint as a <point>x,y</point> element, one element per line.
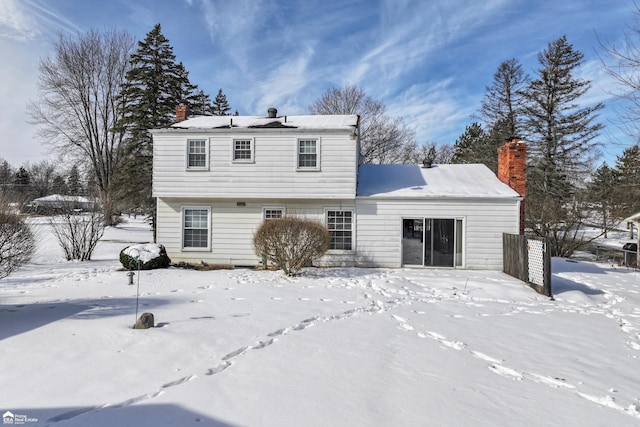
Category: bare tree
<point>622,62</point>
<point>42,175</point>
<point>17,242</point>
<point>383,139</point>
<point>77,106</point>
<point>78,233</point>
<point>437,153</point>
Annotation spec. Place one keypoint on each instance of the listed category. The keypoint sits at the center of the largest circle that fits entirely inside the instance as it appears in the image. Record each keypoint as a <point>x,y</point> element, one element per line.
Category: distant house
<point>59,203</point>
<point>217,179</point>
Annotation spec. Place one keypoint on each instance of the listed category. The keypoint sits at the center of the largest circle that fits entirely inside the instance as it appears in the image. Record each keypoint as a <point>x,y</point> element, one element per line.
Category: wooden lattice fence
<point>528,260</point>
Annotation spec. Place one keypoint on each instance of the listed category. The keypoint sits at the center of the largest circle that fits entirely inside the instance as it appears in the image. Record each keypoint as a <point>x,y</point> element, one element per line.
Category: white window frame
<point>206,154</point>
<point>353,228</point>
<point>183,228</point>
<point>273,208</point>
<point>251,149</point>
<point>317,154</point>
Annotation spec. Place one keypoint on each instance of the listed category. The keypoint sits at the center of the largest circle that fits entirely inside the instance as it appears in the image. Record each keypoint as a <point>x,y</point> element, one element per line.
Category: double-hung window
<point>243,150</point>
<point>308,154</point>
<point>197,156</point>
<point>340,225</point>
<point>195,227</point>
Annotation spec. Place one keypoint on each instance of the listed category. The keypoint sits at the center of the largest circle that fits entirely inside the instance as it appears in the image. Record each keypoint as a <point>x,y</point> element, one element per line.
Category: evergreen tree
<point>155,84</point>
<point>500,108</point>
<point>6,177</point>
<point>471,146</point>
<point>220,105</point>
<point>601,193</point>
<point>201,104</point>
<point>627,189</point>
<point>74,186</point>
<point>59,185</point>
<point>561,147</point>
<point>22,182</point>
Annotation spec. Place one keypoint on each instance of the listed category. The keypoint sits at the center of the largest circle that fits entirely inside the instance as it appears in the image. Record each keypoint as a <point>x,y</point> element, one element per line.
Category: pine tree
<point>500,108</point>
<point>74,186</point>
<point>6,177</point>
<point>628,181</point>
<point>561,147</point>
<point>155,84</point>
<point>470,147</point>
<point>201,104</point>
<point>601,193</point>
<point>22,183</point>
<point>220,105</point>
<point>59,185</point>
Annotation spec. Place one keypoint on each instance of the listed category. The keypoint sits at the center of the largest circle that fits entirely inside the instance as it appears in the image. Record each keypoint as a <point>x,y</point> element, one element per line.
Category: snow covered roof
<point>633,218</point>
<point>439,181</point>
<point>347,122</point>
<point>57,198</point>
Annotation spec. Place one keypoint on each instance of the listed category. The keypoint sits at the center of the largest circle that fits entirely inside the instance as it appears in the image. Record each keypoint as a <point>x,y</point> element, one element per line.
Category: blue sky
<point>429,61</point>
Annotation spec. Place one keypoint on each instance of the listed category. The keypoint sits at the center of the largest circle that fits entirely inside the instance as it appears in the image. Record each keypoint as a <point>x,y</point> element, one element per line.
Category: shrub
<point>291,243</point>
<point>17,243</point>
<point>78,233</point>
<point>144,257</point>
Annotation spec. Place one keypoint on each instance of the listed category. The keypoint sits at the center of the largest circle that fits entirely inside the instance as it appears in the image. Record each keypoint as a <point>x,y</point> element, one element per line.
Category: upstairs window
<point>340,225</point>
<point>242,150</point>
<point>308,150</point>
<point>197,154</point>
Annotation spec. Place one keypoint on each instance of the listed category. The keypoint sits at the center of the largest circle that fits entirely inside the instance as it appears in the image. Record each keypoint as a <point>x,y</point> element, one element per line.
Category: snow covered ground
<point>333,347</point>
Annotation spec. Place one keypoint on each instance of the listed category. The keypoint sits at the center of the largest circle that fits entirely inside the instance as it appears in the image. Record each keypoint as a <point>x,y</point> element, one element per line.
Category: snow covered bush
<point>291,243</point>
<point>17,243</point>
<point>144,257</point>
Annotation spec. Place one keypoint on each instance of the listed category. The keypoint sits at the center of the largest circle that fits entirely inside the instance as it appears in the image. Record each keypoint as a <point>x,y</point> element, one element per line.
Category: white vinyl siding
<point>197,156</point>
<point>232,228</point>
<point>379,238</point>
<point>272,175</point>
<point>376,228</point>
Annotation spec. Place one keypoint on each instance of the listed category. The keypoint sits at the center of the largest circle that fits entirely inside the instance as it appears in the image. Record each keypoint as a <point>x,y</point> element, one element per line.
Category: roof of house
<point>633,218</point>
<point>438,181</point>
<point>346,122</point>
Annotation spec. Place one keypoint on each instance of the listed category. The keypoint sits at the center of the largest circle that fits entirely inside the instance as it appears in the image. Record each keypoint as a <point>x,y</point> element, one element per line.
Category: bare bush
<point>78,233</point>
<point>17,243</point>
<point>291,243</point>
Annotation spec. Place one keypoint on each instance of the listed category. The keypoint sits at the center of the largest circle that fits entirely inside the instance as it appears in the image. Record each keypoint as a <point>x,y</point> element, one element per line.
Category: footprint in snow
<point>486,357</point>
<point>235,353</point>
<point>279,332</point>
<point>219,368</point>
<point>505,372</point>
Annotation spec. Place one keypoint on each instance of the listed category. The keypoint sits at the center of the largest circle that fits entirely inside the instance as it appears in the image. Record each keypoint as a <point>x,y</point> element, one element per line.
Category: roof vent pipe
<point>272,113</point>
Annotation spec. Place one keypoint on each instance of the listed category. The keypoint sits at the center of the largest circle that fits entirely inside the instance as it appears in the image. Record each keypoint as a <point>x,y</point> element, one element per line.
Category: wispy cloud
<point>14,23</point>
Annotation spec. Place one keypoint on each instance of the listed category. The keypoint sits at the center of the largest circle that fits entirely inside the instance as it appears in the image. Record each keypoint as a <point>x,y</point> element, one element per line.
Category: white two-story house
<point>216,179</point>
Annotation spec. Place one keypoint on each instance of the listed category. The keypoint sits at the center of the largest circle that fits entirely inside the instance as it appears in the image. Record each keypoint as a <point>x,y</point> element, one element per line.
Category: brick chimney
<point>181,112</point>
<point>512,170</point>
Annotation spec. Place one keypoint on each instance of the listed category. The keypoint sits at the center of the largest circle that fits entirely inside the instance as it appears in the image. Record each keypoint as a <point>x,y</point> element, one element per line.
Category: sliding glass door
<point>432,242</point>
